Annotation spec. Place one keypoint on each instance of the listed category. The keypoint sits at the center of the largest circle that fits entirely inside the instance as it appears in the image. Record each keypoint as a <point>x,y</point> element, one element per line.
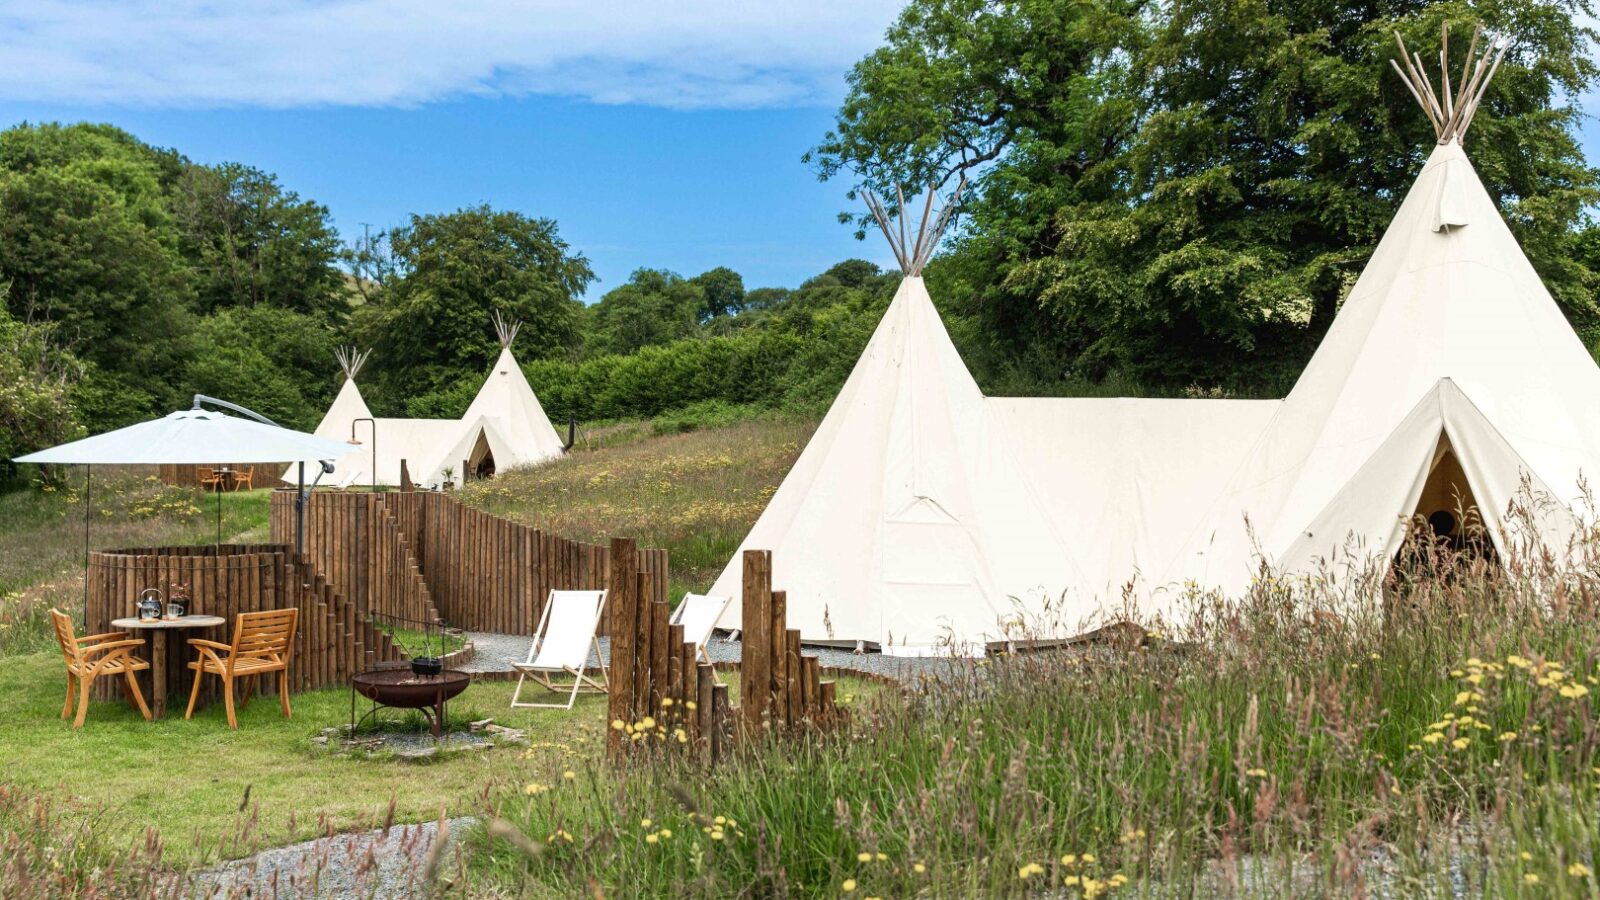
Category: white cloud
<point>287,53</point>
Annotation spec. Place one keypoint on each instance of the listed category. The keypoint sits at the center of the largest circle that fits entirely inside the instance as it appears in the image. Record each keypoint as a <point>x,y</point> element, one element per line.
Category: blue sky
<point>663,134</point>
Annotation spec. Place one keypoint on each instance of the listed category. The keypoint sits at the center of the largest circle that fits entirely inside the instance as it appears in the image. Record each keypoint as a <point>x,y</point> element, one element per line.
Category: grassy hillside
<point>695,494</point>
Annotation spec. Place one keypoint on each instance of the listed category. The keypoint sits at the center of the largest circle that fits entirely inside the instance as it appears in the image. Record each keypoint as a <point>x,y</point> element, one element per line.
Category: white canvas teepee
<point>506,415</point>
<point>1448,307</point>
<point>505,422</point>
<point>1449,378</point>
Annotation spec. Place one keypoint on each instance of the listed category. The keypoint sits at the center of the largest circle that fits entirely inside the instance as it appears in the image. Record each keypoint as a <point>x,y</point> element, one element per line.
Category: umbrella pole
<point>88,476</point>
<point>300,509</point>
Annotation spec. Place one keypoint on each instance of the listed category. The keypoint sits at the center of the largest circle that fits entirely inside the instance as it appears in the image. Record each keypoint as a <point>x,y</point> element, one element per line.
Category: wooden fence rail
<point>335,638</point>
<point>662,694</point>
<point>422,554</point>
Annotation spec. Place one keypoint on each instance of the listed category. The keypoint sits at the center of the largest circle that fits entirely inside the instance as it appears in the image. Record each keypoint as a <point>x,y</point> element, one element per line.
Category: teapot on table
<point>150,604</point>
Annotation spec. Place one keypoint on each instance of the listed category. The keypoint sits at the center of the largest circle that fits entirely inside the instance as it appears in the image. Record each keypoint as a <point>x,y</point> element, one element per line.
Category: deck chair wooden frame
<point>695,613</point>
<point>244,478</point>
<point>93,655</point>
<point>542,674</point>
<point>263,643</point>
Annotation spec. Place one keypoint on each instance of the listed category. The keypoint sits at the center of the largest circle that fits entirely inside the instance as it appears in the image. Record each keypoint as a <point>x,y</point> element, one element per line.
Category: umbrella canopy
<point>192,437</point>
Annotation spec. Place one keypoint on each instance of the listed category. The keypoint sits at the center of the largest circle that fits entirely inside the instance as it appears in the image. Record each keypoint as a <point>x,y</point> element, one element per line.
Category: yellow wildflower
<point>651,838</point>
<point>534,787</point>
<point>1579,870</point>
<point>1432,737</point>
<point>1531,878</point>
<point>1253,773</point>
<point>848,886</point>
<point>644,823</point>
<point>665,833</point>
<point>863,856</point>
<point>1507,736</point>
<point>1070,860</point>
<point>1461,743</point>
<point>1574,691</point>
<point>569,774</point>
<point>918,868</point>
<point>1029,870</point>
<point>1525,856</point>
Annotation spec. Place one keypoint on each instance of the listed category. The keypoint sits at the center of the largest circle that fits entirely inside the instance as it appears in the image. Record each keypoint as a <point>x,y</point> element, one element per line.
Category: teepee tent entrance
<point>1447,503</point>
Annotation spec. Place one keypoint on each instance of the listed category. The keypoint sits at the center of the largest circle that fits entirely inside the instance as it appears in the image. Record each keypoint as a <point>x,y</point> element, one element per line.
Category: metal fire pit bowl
<point>404,689</point>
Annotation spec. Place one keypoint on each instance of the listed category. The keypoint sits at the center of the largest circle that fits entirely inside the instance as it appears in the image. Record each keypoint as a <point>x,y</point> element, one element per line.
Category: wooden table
<point>163,630</point>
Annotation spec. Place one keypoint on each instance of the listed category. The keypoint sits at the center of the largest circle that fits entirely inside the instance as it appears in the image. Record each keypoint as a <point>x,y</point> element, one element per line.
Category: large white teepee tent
<point>505,425</point>
<point>1449,380</point>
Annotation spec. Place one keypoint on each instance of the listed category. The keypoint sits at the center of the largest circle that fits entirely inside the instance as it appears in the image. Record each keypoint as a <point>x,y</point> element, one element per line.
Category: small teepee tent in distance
<point>505,427</point>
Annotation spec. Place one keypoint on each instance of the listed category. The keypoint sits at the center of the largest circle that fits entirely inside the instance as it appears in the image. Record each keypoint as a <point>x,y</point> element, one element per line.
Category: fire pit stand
<point>401,688</point>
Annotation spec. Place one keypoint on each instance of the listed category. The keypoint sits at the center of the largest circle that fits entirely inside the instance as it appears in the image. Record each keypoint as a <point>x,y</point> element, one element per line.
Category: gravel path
<point>357,865</point>
<point>496,653</point>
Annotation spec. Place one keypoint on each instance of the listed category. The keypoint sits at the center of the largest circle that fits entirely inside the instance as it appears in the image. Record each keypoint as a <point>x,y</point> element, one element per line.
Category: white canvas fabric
<point>505,414</point>
<point>569,630</point>
<point>900,512</point>
<point>922,510</point>
<point>698,614</point>
<point>1435,302</point>
<point>190,437</point>
<point>508,400</point>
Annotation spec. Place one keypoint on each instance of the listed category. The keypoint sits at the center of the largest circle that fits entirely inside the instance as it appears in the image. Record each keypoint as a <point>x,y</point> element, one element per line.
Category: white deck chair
<point>567,632</point>
<point>698,614</point>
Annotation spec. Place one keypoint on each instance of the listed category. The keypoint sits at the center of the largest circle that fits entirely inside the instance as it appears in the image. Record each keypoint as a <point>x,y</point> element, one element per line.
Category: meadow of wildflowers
<point>1439,742</point>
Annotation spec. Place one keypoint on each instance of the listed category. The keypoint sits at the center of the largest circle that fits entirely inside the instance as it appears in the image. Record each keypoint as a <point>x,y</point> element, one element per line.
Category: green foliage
<point>654,307</point>
<point>35,403</point>
<point>253,243</point>
<point>1185,193</point>
<point>448,274</point>
<point>87,242</point>
<point>122,247</point>
<point>275,361</point>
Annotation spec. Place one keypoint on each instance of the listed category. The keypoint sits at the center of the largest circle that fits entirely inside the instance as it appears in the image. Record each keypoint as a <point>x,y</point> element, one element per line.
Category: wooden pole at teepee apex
<point>1450,107</point>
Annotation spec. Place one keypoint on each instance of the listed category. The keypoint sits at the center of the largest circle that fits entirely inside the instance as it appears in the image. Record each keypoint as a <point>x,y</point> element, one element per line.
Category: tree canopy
<point>1185,192</point>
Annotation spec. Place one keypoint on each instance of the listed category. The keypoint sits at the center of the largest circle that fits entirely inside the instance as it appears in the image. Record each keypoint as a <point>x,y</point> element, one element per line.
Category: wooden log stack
<point>423,554</point>
<point>663,696</point>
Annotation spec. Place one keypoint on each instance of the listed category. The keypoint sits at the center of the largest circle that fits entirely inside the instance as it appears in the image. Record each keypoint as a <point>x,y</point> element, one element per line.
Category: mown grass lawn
<point>189,779</point>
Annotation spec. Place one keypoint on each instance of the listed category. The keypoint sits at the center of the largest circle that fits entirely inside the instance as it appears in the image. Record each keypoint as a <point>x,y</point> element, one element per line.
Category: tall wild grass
<point>1438,740</point>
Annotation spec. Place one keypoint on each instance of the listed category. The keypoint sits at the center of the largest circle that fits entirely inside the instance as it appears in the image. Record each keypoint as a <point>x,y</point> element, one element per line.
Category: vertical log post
<point>778,654</point>
<point>796,673</point>
<point>720,736</point>
<point>755,671</point>
<point>705,694</point>
<point>623,582</point>
<point>660,649</point>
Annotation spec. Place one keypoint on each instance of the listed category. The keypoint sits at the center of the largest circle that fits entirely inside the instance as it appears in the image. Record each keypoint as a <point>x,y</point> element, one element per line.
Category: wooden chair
<point>263,642</point>
<point>210,478</point>
<point>94,655</point>
<point>244,477</point>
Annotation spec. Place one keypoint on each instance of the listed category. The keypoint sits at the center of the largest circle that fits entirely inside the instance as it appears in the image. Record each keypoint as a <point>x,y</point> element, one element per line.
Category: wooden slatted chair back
<point>267,635</point>
<point>65,636</point>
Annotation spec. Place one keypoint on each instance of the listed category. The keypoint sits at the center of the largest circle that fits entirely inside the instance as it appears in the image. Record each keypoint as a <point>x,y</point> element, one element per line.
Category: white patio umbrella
<point>194,437</point>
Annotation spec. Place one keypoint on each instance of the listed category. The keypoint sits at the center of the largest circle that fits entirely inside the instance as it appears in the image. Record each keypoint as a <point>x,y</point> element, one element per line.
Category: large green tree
<point>87,242</point>
<point>1185,192</point>
<point>654,307</point>
<point>445,278</point>
<point>252,243</point>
